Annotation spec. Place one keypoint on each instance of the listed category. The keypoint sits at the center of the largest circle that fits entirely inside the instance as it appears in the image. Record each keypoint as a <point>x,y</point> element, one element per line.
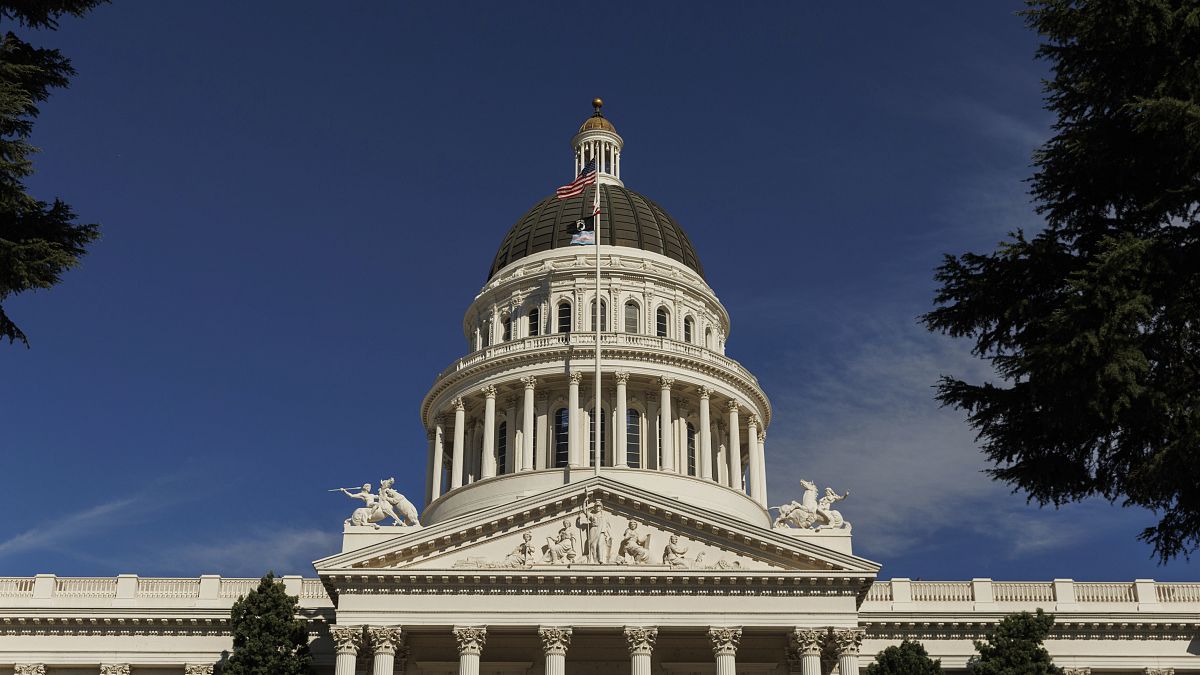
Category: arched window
<point>501,448</point>
<point>688,325</point>
<point>505,328</point>
<point>633,438</point>
<point>708,338</point>
<point>661,320</point>
<point>603,315</point>
<point>564,317</point>
<point>562,437</point>
<point>592,436</point>
<point>691,449</point>
<point>535,321</point>
<point>631,317</point>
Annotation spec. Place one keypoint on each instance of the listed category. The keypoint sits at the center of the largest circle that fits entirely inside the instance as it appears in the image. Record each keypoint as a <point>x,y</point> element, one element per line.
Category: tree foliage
<point>268,639</point>
<point>909,658</point>
<point>1015,647</point>
<point>38,240</point>
<point>1093,323</point>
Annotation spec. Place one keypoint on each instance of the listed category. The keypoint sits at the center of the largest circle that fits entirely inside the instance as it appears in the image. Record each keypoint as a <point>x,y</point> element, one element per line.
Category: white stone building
<point>530,559</point>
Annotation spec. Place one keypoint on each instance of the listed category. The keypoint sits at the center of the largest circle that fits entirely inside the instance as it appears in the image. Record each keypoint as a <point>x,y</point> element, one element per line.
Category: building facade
<point>585,525</point>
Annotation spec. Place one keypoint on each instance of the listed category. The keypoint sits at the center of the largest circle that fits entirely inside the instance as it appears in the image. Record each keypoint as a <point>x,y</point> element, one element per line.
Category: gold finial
<point>597,103</point>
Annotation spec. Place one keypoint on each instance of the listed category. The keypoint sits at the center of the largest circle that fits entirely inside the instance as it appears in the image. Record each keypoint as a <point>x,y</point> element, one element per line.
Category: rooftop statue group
<point>379,507</point>
<point>811,513</point>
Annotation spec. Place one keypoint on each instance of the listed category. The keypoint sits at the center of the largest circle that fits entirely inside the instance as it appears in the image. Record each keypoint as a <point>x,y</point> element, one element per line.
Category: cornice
<point>979,624</point>
<point>76,621</point>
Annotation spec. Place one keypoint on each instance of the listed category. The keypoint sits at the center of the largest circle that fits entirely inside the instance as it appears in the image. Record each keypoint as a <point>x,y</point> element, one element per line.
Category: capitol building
<point>583,526</point>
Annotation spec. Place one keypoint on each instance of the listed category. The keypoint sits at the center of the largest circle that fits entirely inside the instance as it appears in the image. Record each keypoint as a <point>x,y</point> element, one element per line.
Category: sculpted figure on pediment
<point>522,555</point>
<point>597,538</point>
<point>675,553</point>
<point>561,547</point>
<point>635,546</point>
<point>811,513</point>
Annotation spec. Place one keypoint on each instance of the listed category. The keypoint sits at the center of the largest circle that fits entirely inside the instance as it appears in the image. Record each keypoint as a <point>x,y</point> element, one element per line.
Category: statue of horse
<point>812,513</point>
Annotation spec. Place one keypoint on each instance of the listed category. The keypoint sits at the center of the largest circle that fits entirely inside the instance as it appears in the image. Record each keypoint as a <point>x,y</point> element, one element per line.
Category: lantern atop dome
<point>598,140</point>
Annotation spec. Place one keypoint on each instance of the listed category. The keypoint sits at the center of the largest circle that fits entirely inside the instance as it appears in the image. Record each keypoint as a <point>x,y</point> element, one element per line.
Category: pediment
<point>597,526</point>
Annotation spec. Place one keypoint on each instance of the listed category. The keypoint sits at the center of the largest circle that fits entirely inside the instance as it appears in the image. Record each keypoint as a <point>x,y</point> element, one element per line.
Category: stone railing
<point>1058,595</point>
<point>48,589</point>
<point>585,339</point>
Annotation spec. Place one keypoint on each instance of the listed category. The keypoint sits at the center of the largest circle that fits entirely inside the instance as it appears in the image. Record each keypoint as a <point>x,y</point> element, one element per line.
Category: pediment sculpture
<point>811,512</point>
<point>389,503</point>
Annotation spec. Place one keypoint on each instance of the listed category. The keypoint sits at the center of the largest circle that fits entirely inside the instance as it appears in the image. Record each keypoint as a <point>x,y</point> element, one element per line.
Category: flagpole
<point>599,412</point>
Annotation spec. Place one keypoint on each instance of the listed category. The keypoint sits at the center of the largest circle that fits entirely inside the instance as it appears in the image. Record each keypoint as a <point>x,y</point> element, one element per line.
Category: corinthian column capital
<point>114,669</point>
<point>346,639</point>
<point>848,640</point>
<point>385,639</point>
<point>725,640</point>
<point>576,377</point>
<point>198,669</point>
<point>641,639</point>
<point>555,640</point>
<point>621,378</point>
<point>529,381</point>
<point>470,639</point>
<point>489,391</point>
<point>806,641</point>
<point>666,382</point>
<point>29,669</point>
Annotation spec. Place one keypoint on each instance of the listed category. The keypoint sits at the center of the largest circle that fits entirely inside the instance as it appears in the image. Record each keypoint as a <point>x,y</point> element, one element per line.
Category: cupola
<point>598,139</point>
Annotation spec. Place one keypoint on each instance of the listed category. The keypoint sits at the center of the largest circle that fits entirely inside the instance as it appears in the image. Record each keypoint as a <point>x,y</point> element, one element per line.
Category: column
<point>386,642</point>
<point>487,465</point>
<point>512,463</point>
<point>621,429</point>
<point>706,471</point>
<point>347,640</point>
<point>735,448</point>
<point>439,453</point>
<point>666,424</point>
<point>574,456</point>
<point>752,456</point>
<point>527,430</point>
<point>641,644</point>
<point>456,458</point>
<point>430,470</point>
<point>804,650</point>
<point>762,468</point>
<point>470,645</point>
<point>554,643</point>
<point>725,643</point>
<point>114,669</point>
<point>848,642</point>
<point>542,427</point>
<point>207,669</point>
<point>650,443</point>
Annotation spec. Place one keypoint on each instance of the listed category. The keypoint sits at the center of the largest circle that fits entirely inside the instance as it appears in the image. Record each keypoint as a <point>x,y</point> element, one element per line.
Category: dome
<point>596,122</point>
<point>627,219</point>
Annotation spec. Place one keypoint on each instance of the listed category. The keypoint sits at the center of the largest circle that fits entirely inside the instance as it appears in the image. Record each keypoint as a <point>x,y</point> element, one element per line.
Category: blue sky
<point>298,205</point>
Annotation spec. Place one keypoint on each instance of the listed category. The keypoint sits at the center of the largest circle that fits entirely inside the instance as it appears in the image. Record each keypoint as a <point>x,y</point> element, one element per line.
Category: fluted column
<point>641,641</point>
<point>526,463</point>
<point>207,669</point>
<point>725,643</point>
<point>762,468</point>
<point>848,642</point>
<point>621,429</point>
<point>754,489</point>
<point>706,471</point>
<point>487,465</point>
<point>574,435</point>
<point>555,642</point>
<point>347,640</point>
<point>456,457</point>
<point>114,669</point>
<point>470,645</point>
<point>386,642</point>
<point>666,425</point>
<point>431,436</point>
<point>804,650</point>
<point>735,448</point>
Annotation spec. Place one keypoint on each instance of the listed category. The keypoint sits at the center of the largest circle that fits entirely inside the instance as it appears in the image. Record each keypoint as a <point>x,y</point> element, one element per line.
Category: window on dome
<point>562,437</point>
<point>661,320</point>
<point>691,449</point>
<point>564,317</point>
<point>688,325</point>
<point>603,315</point>
<point>592,436</point>
<point>501,448</point>
<point>631,317</point>
<point>506,328</point>
<point>535,320</point>
<point>633,438</point>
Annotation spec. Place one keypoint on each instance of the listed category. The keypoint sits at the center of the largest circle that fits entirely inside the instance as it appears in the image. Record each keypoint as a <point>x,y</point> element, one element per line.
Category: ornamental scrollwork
<point>385,639</point>
<point>198,669</point>
<point>555,640</point>
<point>347,639</point>
<point>470,639</point>
<point>848,640</point>
<point>641,639</point>
<point>725,640</point>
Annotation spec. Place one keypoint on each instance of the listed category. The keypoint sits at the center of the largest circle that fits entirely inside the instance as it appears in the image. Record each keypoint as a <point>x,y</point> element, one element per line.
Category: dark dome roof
<point>626,219</point>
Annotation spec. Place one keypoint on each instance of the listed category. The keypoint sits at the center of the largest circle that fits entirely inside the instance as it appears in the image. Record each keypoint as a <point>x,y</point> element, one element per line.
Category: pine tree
<point>268,639</point>
<point>909,658</point>
<point>1015,647</point>
<point>38,240</point>
<point>1091,324</point>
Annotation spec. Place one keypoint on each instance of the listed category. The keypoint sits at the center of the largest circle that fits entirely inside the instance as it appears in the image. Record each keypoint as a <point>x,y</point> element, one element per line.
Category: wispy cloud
<point>285,551</point>
<point>66,528</point>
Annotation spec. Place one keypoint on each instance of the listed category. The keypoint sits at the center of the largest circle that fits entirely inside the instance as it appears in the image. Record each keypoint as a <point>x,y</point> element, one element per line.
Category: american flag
<point>575,188</point>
